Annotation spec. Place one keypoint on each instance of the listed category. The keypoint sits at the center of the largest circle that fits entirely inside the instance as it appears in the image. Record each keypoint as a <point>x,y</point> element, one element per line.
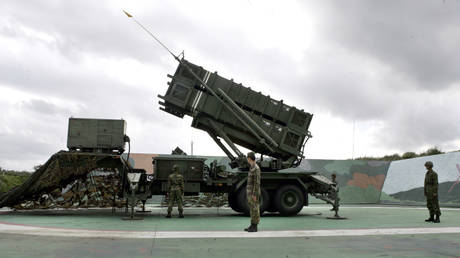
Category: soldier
<point>431,193</point>
<point>176,190</point>
<point>253,192</point>
<point>335,195</point>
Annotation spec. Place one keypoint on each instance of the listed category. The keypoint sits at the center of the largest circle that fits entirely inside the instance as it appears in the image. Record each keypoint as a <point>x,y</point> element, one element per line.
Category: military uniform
<point>253,189</point>
<point>335,195</point>
<point>431,193</point>
<point>176,190</point>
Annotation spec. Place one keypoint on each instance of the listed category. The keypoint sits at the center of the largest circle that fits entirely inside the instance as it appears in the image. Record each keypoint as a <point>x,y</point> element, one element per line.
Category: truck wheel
<point>243,201</point>
<point>289,200</point>
<point>271,206</point>
<point>233,202</point>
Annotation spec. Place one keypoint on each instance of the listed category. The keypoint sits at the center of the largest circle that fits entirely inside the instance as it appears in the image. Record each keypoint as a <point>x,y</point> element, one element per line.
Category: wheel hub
<point>290,199</point>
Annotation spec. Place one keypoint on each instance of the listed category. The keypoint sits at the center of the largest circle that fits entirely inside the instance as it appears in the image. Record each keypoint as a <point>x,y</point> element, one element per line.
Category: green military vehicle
<point>233,115</point>
<point>238,115</point>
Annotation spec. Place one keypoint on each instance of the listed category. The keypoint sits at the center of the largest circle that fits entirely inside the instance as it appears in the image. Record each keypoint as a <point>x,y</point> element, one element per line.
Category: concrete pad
<point>370,231</point>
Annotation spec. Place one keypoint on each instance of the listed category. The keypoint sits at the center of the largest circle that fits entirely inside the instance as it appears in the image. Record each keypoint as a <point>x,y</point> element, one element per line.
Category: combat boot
<point>437,219</point>
<point>252,228</point>
<point>169,215</point>
<point>430,219</point>
<point>181,215</point>
<point>246,229</point>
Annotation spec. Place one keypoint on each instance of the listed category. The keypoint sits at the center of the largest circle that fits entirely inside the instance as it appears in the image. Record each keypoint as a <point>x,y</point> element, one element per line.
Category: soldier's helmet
<point>252,155</point>
<point>175,168</point>
<point>429,164</point>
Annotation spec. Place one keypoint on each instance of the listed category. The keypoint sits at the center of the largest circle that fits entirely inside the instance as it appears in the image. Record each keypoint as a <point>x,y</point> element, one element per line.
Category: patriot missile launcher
<point>240,116</point>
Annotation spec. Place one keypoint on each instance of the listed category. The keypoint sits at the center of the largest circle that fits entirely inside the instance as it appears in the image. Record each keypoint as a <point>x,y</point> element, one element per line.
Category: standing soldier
<point>335,195</point>
<point>176,190</point>
<point>253,192</point>
<point>431,193</point>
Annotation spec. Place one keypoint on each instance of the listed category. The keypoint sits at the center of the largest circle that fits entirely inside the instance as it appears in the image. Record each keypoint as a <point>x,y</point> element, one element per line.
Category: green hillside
<point>10,179</point>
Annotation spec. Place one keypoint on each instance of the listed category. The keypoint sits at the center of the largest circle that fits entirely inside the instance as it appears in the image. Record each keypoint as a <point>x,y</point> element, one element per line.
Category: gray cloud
<point>369,62</point>
<point>43,107</point>
<point>430,121</point>
<point>18,147</point>
<point>416,38</point>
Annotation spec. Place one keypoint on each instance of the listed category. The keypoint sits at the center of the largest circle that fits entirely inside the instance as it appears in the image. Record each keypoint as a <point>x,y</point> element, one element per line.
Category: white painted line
<point>155,207</point>
<point>307,209</point>
<point>391,207</point>
<point>59,232</point>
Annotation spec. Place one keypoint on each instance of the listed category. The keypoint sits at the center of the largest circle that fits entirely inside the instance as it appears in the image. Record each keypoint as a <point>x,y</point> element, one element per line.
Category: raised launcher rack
<point>238,115</point>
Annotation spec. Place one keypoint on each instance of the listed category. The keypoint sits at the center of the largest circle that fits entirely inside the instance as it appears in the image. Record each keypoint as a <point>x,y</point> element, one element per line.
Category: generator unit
<point>97,135</point>
<point>191,167</point>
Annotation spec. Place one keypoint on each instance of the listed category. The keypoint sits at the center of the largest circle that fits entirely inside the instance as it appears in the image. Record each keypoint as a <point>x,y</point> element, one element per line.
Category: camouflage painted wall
<point>404,183</point>
<point>359,181</point>
<point>368,181</point>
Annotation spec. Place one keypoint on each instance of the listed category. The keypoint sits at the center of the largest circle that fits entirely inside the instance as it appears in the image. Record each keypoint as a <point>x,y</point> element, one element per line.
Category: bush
<point>10,179</point>
<point>407,155</point>
<point>432,151</point>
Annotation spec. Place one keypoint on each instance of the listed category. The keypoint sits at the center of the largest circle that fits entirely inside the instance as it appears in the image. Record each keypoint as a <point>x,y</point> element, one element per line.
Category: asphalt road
<point>209,232</point>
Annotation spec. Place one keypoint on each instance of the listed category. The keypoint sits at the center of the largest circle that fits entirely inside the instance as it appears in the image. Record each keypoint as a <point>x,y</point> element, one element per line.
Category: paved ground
<point>369,232</point>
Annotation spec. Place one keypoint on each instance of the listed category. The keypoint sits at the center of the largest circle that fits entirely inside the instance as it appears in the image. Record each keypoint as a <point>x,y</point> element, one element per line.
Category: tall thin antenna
<point>151,34</point>
<point>353,144</point>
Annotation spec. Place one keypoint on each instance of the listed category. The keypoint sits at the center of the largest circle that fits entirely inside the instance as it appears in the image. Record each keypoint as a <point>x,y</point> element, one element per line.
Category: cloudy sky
<point>379,76</point>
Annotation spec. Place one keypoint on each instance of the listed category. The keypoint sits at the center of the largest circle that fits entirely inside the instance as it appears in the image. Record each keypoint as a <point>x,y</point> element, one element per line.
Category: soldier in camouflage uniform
<point>431,193</point>
<point>335,195</point>
<point>176,190</point>
<point>253,192</point>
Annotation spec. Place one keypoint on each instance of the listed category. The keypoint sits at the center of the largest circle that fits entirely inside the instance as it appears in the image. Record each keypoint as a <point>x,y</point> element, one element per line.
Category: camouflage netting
<point>62,169</point>
<point>97,189</point>
<point>82,180</point>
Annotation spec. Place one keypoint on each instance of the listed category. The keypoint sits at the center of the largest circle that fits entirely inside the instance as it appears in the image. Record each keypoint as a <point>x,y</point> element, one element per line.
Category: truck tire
<point>271,206</point>
<point>243,201</point>
<point>289,200</point>
<point>233,202</point>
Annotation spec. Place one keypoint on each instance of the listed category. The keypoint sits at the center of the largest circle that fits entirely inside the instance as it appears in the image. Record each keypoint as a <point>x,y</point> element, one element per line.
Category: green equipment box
<point>96,135</point>
<point>190,167</point>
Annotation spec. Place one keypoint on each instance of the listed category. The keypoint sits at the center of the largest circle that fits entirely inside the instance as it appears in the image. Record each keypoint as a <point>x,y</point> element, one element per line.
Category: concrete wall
<point>359,181</point>
<point>405,178</point>
<point>397,182</point>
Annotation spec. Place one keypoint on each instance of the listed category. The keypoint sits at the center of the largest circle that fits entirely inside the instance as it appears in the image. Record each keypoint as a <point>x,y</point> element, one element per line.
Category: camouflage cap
<point>428,164</point>
<point>175,168</point>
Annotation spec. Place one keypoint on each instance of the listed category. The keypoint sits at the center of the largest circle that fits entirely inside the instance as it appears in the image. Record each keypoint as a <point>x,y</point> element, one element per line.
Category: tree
<point>406,155</point>
<point>433,151</point>
<point>409,155</point>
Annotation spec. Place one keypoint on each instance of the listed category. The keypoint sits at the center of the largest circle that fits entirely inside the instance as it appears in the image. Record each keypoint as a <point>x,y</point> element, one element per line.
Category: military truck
<point>228,112</point>
<point>238,115</point>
